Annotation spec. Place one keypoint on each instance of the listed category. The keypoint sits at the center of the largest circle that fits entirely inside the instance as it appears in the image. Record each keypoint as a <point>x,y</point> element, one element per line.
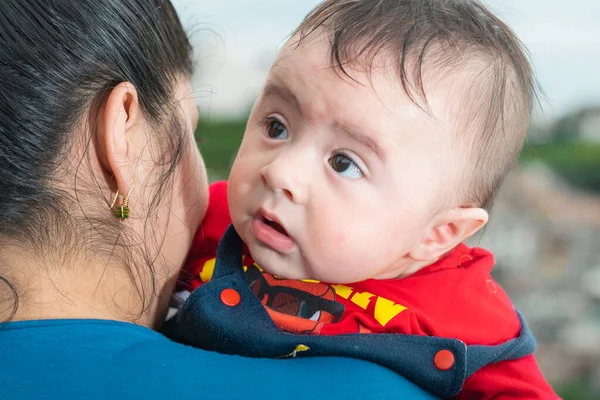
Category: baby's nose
<point>286,177</point>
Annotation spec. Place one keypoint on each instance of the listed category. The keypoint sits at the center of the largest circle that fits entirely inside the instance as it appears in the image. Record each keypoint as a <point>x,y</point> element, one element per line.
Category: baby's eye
<point>276,130</point>
<point>345,166</point>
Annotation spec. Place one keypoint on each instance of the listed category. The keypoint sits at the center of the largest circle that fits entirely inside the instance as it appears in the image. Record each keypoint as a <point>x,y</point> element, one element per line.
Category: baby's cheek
<point>236,206</point>
<point>238,184</point>
<point>340,256</point>
<point>345,242</point>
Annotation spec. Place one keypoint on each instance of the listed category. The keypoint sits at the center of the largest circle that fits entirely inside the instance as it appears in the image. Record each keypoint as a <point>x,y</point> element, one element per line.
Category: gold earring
<point>122,211</point>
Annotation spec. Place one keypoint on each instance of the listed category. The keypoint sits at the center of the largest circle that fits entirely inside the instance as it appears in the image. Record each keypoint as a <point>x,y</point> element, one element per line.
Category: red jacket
<point>455,297</point>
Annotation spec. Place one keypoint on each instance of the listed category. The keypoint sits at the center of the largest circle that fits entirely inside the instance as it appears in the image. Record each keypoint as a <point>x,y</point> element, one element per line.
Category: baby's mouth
<point>267,229</point>
<point>275,226</point>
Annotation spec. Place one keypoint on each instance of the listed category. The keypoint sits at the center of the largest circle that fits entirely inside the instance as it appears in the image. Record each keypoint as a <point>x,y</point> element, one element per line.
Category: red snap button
<point>443,360</point>
<point>465,261</point>
<point>230,297</point>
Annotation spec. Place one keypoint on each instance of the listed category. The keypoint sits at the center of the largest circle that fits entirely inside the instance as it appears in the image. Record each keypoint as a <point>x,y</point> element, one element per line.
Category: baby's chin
<point>278,265</point>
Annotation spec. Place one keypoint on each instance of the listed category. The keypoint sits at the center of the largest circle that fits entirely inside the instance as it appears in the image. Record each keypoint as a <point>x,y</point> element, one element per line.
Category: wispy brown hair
<point>446,36</point>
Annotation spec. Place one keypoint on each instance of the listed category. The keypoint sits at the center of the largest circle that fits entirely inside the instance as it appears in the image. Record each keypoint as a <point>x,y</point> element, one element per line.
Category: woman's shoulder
<point>75,359</point>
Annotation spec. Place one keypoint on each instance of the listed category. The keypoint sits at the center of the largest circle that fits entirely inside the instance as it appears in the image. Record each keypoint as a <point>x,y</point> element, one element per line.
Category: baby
<point>374,151</point>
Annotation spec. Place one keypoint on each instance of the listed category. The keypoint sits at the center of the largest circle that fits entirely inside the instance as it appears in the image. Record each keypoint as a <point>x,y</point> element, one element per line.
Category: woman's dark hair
<point>58,60</point>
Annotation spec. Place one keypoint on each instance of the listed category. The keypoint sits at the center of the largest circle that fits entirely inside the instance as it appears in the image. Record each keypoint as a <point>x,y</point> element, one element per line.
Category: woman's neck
<point>76,290</point>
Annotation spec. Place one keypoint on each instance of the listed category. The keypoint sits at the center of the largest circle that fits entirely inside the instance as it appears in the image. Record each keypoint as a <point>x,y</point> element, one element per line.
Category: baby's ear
<point>447,230</point>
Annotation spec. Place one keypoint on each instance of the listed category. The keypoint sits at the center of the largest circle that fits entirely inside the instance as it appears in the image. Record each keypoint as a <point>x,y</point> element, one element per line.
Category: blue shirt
<point>93,359</point>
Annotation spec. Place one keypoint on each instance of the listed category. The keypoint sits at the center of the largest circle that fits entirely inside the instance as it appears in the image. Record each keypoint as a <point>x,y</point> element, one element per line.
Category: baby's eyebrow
<point>272,88</point>
<point>363,139</point>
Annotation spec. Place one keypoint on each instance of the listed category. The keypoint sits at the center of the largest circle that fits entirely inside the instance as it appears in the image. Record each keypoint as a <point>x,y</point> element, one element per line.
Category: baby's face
<point>337,180</point>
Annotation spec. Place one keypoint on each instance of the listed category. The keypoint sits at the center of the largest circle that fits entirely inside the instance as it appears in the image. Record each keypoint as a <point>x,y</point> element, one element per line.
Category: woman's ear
<point>448,229</point>
<point>118,120</point>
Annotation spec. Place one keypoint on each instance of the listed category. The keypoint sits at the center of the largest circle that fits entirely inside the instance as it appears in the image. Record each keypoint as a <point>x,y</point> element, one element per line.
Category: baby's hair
<point>437,39</point>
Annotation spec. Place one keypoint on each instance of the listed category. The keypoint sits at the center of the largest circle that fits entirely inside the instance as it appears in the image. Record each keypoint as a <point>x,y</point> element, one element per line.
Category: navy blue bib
<point>209,319</point>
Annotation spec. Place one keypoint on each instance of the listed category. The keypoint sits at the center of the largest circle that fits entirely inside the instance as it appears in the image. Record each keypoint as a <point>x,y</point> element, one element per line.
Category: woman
<point>102,188</point>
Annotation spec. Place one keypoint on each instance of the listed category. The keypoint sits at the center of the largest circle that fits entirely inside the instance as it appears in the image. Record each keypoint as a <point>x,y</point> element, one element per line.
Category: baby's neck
<point>405,271</point>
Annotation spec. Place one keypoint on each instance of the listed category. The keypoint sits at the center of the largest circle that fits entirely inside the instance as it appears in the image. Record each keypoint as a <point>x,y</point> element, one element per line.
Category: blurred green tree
<point>578,162</point>
<point>218,141</point>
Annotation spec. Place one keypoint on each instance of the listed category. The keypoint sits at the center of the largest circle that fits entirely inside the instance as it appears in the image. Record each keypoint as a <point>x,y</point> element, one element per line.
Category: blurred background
<point>546,223</point>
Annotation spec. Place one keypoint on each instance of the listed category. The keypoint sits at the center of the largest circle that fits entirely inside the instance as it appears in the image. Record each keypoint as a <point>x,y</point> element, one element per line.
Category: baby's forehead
<point>370,101</point>
<point>312,55</point>
<point>414,76</point>
<point>373,79</point>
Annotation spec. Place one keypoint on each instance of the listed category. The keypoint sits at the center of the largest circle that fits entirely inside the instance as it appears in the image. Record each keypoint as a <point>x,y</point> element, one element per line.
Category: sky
<point>236,40</point>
